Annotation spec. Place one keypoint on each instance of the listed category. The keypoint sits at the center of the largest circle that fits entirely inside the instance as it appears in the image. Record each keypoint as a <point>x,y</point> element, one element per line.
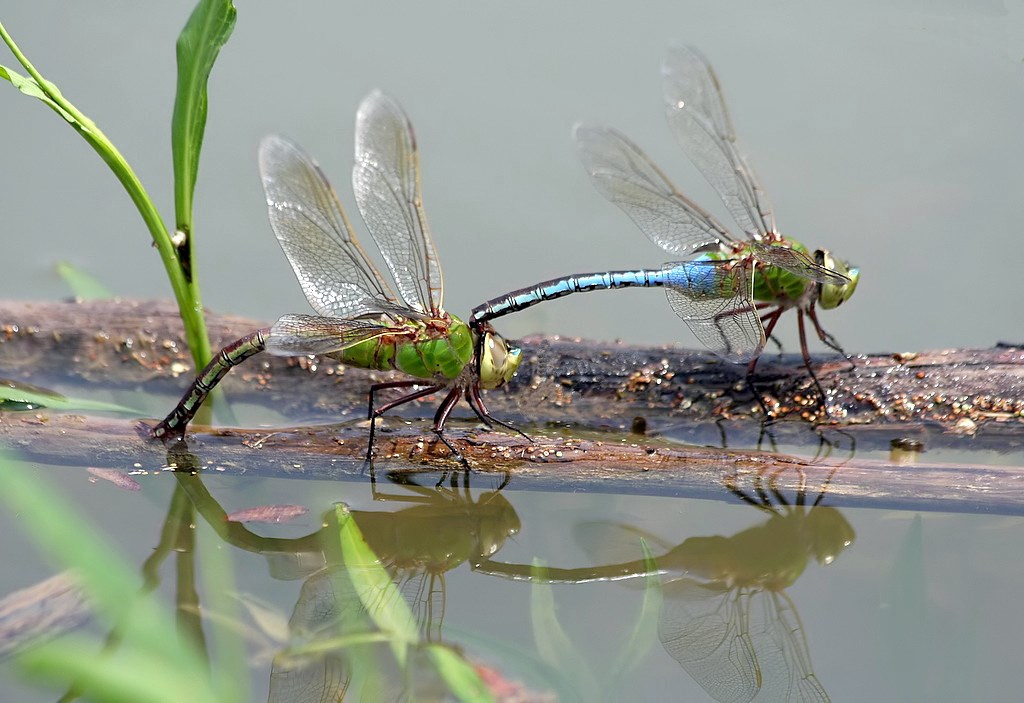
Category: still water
<point>750,591</point>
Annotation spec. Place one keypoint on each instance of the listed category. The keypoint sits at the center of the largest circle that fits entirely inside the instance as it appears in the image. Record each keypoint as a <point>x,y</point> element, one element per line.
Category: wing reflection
<point>726,617</point>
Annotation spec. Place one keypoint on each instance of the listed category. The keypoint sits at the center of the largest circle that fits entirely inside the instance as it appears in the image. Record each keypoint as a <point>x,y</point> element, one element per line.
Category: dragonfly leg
<point>827,338</point>
<point>730,484</point>
<point>769,336</point>
<point>824,485</point>
<point>441,417</point>
<point>374,413</point>
<point>807,357</point>
<point>476,402</point>
<point>772,319</point>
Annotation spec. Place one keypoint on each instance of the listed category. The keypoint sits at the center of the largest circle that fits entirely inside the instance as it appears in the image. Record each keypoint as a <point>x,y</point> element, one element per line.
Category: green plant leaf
<point>379,595</point>
<point>127,675</point>
<point>185,291</point>
<point>28,86</point>
<point>459,675</point>
<point>645,629</point>
<point>143,626</point>
<point>34,397</point>
<point>553,643</point>
<point>206,31</point>
<point>228,650</point>
<point>82,285</point>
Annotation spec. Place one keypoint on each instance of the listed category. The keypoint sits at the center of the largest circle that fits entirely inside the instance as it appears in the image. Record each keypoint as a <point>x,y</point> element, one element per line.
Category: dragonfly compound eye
<point>498,361</point>
<point>832,295</point>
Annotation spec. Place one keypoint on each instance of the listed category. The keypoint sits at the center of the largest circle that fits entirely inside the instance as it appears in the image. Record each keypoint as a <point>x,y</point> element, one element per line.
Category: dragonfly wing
<point>780,648</point>
<point>324,605</point>
<point>713,298</point>
<point>623,174</point>
<point>703,627</point>
<point>298,335</point>
<point>333,270</point>
<point>386,179</point>
<point>798,263</point>
<point>698,117</point>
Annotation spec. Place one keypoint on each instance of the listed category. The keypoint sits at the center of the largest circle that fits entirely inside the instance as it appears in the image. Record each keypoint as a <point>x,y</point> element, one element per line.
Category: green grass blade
<point>127,675</point>
<point>206,31</point>
<point>645,629</point>
<point>379,595</point>
<point>82,285</point>
<point>113,588</point>
<point>229,676</point>
<point>29,87</point>
<point>460,677</point>
<point>553,643</point>
<point>34,397</point>
<point>186,295</point>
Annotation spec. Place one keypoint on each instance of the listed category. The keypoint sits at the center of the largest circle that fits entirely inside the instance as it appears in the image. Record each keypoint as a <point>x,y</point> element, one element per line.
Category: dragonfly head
<point>832,295</point>
<point>498,359</point>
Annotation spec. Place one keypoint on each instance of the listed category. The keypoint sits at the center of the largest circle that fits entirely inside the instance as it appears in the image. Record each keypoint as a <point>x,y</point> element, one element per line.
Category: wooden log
<point>128,343</point>
<point>577,400</point>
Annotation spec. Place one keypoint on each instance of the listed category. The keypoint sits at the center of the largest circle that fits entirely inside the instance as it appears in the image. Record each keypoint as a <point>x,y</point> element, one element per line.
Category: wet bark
<point>598,413</point>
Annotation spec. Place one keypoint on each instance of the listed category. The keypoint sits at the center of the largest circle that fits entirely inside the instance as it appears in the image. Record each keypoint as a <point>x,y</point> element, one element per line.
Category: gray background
<point>889,133</point>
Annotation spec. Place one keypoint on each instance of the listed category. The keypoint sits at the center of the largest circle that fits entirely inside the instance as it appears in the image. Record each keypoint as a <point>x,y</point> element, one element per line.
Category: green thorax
<point>434,349</point>
<point>771,284</point>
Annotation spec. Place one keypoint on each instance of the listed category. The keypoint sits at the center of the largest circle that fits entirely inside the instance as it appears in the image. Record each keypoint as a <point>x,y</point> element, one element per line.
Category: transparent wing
<point>333,270</point>
<point>780,649</point>
<point>713,298</point>
<point>698,117</point>
<point>386,179</point>
<point>797,262</point>
<point>316,617</point>
<point>623,174</point>
<point>702,627</point>
<point>426,594</point>
<point>298,335</point>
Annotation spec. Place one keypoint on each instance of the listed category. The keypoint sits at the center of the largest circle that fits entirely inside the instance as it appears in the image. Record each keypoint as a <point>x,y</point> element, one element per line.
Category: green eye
<point>832,295</point>
<point>498,361</point>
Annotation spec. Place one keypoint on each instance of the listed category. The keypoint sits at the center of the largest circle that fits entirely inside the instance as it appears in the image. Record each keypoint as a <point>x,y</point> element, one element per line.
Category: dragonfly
<point>730,291</point>
<point>360,321</point>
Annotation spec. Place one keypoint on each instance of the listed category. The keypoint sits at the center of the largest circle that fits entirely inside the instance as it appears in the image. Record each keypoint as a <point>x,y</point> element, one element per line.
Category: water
<point>919,606</point>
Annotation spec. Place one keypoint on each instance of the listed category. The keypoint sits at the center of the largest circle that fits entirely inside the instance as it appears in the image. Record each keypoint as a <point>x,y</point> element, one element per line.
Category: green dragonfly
<point>732,291</point>
<point>359,320</point>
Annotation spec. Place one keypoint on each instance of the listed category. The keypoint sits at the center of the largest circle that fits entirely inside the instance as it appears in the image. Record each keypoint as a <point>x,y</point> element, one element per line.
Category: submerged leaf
<point>118,478</point>
<point>645,629</point>
<point>267,513</point>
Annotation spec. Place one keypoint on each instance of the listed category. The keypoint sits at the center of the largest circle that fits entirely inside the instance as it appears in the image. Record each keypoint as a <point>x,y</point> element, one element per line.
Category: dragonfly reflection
<point>726,617</point>
<point>440,529</point>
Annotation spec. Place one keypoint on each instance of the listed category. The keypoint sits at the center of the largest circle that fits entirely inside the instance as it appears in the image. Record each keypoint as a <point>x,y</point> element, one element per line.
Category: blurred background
<point>888,134</point>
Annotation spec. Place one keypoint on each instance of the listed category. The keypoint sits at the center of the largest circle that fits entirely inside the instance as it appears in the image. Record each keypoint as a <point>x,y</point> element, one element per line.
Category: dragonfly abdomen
<point>559,287</point>
<point>230,356</point>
